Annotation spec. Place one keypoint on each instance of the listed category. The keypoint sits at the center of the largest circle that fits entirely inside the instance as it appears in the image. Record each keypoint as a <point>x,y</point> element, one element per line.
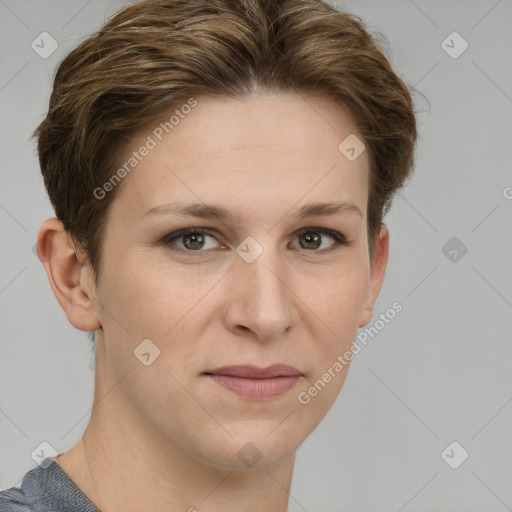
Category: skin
<point>164,437</point>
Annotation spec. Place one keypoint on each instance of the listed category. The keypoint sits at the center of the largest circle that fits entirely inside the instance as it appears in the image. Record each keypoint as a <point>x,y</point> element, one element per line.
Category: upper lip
<point>253,372</point>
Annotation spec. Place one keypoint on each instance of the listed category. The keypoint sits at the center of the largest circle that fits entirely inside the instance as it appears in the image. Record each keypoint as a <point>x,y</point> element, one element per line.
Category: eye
<point>192,240</point>
<point>200,240</point>
<point>313,238</point>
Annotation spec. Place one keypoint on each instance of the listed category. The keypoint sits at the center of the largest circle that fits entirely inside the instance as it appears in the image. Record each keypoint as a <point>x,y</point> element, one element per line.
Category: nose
<point>259,298</point>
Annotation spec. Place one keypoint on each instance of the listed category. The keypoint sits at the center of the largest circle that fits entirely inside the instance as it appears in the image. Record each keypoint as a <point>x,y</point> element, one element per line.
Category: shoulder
<point>14,500</point>
<point>43,488</point>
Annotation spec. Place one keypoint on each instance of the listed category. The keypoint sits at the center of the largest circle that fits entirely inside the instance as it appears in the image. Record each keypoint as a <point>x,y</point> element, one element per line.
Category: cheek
<point>338,296</point>
<point>337,303</point>
<point>343,307</point>
<point>340,306</point>
<point>154,298</point>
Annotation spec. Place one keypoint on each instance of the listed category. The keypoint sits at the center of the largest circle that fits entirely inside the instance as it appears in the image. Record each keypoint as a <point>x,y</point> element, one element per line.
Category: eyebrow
<point>212,211</point>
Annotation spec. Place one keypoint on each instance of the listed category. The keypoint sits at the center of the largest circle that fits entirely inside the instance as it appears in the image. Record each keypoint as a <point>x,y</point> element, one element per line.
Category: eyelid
<point>176,235</point>
<point>340,239</point>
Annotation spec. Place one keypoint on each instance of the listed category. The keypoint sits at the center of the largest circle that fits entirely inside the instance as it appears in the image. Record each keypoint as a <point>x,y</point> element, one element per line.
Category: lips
<point>253,372</point>
<point>256,383</point>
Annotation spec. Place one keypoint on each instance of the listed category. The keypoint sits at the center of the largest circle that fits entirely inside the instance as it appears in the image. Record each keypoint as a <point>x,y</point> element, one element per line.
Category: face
<point>219,252</point>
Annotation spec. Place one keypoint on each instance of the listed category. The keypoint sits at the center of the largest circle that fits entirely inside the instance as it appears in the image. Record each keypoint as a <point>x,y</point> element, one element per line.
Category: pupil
<point>312,239</point>
<point>196,240</point>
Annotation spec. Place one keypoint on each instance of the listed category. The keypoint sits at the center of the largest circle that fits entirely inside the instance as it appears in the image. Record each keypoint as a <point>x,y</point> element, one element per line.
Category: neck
<point>123,464</point>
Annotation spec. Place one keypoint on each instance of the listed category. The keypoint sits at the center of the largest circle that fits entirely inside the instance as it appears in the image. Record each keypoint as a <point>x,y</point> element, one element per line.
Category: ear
<point>377,273</point>
<point>72,284</point>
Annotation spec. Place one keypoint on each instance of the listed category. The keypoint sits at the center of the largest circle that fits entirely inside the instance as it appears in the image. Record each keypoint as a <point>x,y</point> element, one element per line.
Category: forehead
<point>265,145</point>
<point>263,119</point>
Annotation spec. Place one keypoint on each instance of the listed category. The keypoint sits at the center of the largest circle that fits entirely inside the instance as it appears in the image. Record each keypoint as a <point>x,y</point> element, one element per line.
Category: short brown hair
<point>155,53</point>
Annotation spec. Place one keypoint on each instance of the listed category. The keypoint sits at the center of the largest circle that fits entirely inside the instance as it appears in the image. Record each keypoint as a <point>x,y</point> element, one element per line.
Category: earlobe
<point>71,282</point>
<point>377,272</point>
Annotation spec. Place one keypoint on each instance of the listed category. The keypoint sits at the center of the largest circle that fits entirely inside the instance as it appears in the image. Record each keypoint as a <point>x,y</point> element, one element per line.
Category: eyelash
<point>339,239</point>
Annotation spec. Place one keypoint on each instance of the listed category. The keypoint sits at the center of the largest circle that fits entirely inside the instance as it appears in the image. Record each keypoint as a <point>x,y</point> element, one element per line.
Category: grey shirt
<point>45,488</point>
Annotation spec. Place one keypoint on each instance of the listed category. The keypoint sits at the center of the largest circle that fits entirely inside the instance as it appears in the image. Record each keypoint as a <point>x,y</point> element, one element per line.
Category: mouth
<point>256,383</point>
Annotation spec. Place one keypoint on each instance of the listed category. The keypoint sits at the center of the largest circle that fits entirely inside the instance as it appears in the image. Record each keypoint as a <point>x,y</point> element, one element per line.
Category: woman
<point>219,172</point>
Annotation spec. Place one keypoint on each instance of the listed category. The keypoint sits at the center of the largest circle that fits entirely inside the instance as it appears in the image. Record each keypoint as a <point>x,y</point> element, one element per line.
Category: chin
<point>246,452</point>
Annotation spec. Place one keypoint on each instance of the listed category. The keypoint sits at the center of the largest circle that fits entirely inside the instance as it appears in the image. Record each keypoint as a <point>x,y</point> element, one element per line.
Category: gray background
<point>438,372</point>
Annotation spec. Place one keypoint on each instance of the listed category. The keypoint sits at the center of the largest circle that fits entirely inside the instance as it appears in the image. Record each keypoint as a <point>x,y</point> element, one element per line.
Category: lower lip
<point>256,389</point>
